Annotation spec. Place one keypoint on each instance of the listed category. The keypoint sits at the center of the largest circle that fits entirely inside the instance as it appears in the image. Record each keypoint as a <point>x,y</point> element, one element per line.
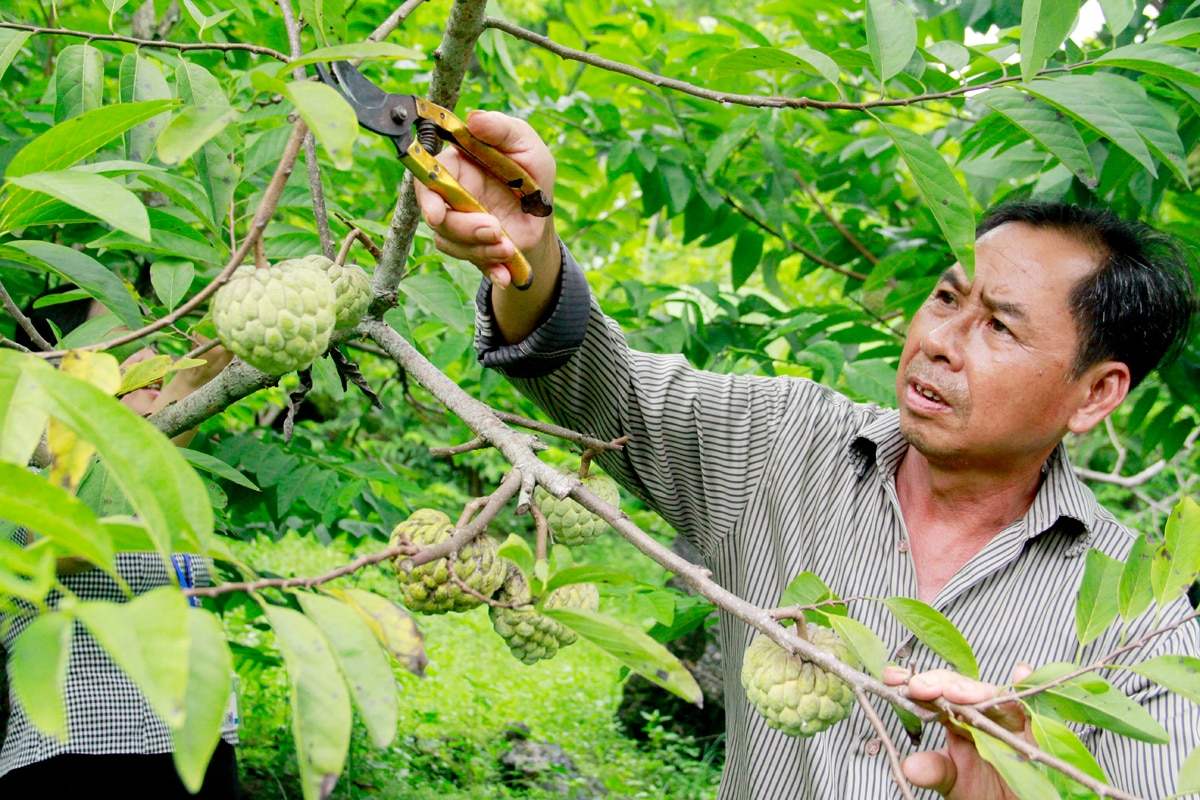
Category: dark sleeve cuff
<point>552,343</point>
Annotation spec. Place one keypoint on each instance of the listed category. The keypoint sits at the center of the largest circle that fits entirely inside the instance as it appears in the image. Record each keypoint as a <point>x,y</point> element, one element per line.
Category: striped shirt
<point>770,477</point>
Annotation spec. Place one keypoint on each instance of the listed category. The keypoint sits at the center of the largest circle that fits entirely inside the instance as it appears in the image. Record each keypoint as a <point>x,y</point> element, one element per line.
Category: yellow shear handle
<point>430,172</point>
<point>513,175</point>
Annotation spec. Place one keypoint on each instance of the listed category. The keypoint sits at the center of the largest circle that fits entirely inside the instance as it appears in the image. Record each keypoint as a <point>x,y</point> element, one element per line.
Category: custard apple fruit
<point>585,596</point>
<point>277,318</point>
<point>351,288</point>
<point>427,588</point>
<point>795,695</point>
<point>529,634</point>
<point>571,523</point>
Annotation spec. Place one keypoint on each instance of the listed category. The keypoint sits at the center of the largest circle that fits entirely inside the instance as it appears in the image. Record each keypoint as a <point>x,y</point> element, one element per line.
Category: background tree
<point>767,189</point>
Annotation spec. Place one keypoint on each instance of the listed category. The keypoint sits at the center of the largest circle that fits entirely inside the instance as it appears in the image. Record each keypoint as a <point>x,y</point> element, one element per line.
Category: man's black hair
<point>1139,305</point>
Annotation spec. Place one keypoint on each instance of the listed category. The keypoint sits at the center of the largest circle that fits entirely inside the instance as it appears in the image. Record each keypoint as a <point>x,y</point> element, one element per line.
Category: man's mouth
<point>924,398</point>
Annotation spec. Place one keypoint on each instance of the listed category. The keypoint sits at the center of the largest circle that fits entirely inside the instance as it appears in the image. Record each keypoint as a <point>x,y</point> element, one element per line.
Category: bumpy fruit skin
<point>571,523</point>
<point>277,318</point>
<point>351,289</point>
<point>427,588</point>
<point>530,635</point>
<point>585,596</point>
<point>796,696</point>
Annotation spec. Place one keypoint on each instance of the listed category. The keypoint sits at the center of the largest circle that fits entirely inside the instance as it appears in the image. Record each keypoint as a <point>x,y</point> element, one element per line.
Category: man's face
<point>985,376</point>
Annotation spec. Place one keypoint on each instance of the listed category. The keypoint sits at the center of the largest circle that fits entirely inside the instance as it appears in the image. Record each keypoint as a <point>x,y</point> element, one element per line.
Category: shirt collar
<point>1063,501</point>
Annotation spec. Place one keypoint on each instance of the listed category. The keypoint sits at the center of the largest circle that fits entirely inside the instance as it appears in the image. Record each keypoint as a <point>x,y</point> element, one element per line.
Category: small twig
<point>888,745</point>
<point>394,20</point>
<point>344,251</point>
<point>1122,451</point>
<point>26,324</point>
<point>757,101</point>
<point>363,236</point>
<point>6,342</point>
<point>585,461</point>
<point>854,241</point>
<point>460,583</point>
<point>200,350</point>
<point>581,439</point>
<point>795,247</point>
<point>469,510</point>
<point>158,43</point>
<point>366,347</point>
<point>797,612</point>
<point>495,501</point>
<point>262,215</point>
<point>458,449</point>
<point>288,583</point>
<point>1127,482</point>
<point>543,532</point>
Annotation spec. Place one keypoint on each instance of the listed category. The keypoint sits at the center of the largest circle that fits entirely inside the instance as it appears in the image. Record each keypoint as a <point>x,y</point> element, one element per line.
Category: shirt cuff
<point>552,343</point>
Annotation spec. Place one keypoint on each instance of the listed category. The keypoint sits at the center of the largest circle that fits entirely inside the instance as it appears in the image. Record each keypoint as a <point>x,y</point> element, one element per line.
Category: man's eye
<point>1000,327</point>
<point>943,296</point>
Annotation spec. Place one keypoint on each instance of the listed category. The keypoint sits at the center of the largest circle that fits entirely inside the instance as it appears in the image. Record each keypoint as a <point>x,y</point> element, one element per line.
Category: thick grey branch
<point>236,381</point>
<point>463,27</point>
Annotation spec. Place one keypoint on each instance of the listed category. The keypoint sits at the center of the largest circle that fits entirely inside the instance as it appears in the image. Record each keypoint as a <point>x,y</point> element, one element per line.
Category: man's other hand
<point>957,771</point>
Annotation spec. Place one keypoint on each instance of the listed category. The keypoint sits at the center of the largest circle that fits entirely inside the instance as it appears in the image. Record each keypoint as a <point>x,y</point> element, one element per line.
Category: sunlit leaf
<point>392,625</point>
<point>1022,776</point>
<point>11,42</point>
<point>1081,98</point>
<point>78,81</point>
<point>1135,592</point>
<point>1060,741</point>
<point>191,129</point>
<point>866,645</point>
<point>217,467</point>
<point>1118,14</point>
<point>97,195</point>
<point>1097,603</point>
<point>1091,700</point>
<point>1047,126</point>
<point>209,675</point>
<point>808,589</point>
<point>86,273</point>
<point>1178,559</point>
<point>1180,674</point>
<point>28,500</point>
<point>37,668</point>
<point>891,36</point>
<point>938,633</point>
<point>1189,774</point>
<point>142,79</point>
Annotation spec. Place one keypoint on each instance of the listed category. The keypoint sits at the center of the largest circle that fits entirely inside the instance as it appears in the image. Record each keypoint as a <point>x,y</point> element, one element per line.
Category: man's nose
<point>944,341</point>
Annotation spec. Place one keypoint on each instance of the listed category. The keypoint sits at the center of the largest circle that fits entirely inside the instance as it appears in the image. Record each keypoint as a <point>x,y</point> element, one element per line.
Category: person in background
<point>116,745</point>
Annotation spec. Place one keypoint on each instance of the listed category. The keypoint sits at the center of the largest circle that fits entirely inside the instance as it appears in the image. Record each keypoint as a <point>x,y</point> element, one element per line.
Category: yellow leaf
<point>99,369</point>
<point>152,370</point>
<point>71,456</point>
<point>392,625</point>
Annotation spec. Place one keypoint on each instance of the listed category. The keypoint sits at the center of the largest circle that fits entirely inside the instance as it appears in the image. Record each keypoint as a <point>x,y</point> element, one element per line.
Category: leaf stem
<point>157,43</point>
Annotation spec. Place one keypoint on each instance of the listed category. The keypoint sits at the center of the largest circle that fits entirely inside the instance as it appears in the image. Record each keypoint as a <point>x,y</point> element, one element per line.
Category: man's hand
<point>957,771</point>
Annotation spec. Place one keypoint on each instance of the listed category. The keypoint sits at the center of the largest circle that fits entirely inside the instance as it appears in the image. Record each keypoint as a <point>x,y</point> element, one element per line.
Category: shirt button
<point>904,652</point>
<point>902,545</point>
<point>872,747</point>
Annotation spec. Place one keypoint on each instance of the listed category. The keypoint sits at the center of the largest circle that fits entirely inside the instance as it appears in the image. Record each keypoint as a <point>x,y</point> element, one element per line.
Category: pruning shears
<point>415,126</point>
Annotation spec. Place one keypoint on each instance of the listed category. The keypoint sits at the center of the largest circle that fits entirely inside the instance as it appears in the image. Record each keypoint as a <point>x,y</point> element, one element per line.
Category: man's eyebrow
<point>1018,311</point>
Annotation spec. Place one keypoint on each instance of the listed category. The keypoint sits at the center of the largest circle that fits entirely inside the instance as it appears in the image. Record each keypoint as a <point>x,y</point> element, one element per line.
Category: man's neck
<point>952,513</point>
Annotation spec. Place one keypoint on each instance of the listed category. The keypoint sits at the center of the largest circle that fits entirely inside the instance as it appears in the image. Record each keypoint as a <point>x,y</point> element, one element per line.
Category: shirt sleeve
<point>699,441</point>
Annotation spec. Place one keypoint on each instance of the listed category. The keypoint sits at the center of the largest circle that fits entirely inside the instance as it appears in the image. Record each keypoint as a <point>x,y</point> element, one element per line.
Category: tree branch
<point>854,241</point>
<point>1127,482</point>
<point>756,101</point>
<point>158,43</point>
<point>262,215</point>
<point>308,583</point>
<point>394,20</point>
<point>888,745</point>
<point>22,320</point>
<point>463,28</point>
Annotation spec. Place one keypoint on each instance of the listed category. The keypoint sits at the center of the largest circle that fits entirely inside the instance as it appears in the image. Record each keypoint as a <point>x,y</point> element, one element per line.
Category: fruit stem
<point>543,532</point>
<point>260,255</point>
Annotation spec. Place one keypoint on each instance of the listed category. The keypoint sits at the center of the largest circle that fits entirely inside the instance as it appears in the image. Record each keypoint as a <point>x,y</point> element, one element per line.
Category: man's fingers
<point>506,134</point>
<point>931,770</point>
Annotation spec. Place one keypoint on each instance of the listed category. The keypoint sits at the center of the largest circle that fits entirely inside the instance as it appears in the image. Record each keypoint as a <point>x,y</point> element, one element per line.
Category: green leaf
<point>943,194</point>
<point>172,280</point>
<point>1023,777</point>
<point>1178,561</point>
<point>142,79</point>
<point>633,648</point>
<point>392,625</point>
<point>172,237</point>
<point>51,511</point>
<point>37,668</point>
<point>808,589</point>
<point>330,118</point>
<point>1131,102</point>
<point>217,467</point>
<point>587,573</point>
<point>1189,774</point>
<point>1180,674</point>
<point>11,43</point>
<point>1135,592</point>
<point>113,7</point>
<point>1082,99</point>
<point>327,18</point>
<point>218,174</point>
<point>363,663</point>
<point>23,416</point>
<point>191,129</point>
<point>101,197</point>
<point>435,295</point>
<point>1184,33</point>
<point>80,137</point>
<point>1044,26</point>
<point>891,36</point>
<point>365,51</point>
<point>209,675</point>
<point>165,493</point>
<point>1097,603</point>
<point>938,633</point>
<point>152,370</point>
<point>204,21</point>
<point>1060,741</point>
<point>149,639</point>
<point>321,717</point>
<point>866,645</point>
<point>88,274</point>
<point>747,253</point>
<point>873,379</point>
<point>801,59</point>
<point>1118,14</point>
<point>78,81</point>
<point>1159,59</point>
<point>1047,127</point>
<point>1091,700</point>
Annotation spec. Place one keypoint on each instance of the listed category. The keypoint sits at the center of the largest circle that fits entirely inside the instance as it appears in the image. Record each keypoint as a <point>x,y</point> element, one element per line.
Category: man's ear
<point>1106,386</point>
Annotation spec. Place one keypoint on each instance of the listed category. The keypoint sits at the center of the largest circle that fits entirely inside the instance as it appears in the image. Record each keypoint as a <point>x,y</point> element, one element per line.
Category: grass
<point>452,724</point>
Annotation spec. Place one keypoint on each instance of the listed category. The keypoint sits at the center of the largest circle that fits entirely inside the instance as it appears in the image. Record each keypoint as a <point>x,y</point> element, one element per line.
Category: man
<point>963,498</point>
